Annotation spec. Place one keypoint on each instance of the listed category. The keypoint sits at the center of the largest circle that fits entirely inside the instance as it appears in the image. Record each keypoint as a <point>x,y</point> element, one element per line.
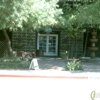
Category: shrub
<point>10,59</point>
<point>13,63</point>
<point>73,65</point>
<point>64,53</point>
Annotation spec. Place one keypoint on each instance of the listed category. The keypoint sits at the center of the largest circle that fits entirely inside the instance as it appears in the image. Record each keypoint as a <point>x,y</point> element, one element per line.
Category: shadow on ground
<point>46,63</point>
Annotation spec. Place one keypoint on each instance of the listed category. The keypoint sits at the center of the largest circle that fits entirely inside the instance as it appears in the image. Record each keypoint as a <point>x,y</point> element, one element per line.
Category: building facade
<point>51,43</point>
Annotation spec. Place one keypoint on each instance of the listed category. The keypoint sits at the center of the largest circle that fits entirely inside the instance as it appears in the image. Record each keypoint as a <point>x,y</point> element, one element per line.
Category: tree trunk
<point>8,42</point>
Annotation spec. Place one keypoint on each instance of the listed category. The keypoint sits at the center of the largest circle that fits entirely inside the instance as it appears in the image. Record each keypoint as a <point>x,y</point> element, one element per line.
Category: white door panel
<point>48,43</point>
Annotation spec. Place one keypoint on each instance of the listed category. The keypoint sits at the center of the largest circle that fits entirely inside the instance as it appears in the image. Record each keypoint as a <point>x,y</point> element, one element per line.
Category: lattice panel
<point>73,45</point>
<point>24,41</point>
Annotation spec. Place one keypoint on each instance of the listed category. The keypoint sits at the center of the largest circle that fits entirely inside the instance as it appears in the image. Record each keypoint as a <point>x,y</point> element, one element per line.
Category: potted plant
<point>64,54</point>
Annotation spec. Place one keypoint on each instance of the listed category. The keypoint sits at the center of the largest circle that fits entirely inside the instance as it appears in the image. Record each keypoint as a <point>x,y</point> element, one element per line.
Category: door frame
<point>47,37</point>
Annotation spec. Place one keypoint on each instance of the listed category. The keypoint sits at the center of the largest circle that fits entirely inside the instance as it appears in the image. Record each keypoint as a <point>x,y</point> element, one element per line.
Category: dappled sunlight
<point>49,58</point>
<point>56,63</point>
<point>48,63</point>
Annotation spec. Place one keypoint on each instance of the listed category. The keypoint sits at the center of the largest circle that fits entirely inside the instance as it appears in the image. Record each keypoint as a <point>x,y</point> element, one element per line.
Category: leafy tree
<point>90,14</point>
<point>81,15</point>
<point>34,14</point>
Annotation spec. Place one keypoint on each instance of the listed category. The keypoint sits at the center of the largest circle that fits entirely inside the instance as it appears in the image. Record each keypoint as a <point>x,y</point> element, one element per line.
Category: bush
<point>73,65</point>
<point>13,63</point>
<point>10,59</point>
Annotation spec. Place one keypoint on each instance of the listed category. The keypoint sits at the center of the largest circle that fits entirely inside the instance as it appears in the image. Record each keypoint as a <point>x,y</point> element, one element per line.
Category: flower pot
<point>33,54</point>
<point>64,56</point>
<point>21,53</point>
<point>40,53</point>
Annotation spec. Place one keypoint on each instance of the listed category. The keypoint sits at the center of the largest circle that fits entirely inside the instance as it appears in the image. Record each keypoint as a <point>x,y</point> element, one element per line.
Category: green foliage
<point>89,14</point>
<point>73,65</point>
<point>29,13</point>
<point>64,53</point>
<point>10,59</point>
<point>81,15</point>
<point>13,63</point>
<point>36,14</point>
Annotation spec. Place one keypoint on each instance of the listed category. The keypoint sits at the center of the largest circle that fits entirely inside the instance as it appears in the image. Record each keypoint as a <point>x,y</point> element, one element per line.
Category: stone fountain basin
<point>93,40</point>
<point>93,48</point>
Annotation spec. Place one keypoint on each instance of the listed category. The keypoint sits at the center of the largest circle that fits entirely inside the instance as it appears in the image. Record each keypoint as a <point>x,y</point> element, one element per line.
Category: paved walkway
<point>49,83</point>
<point>54,68</point>
<point>47,63</point>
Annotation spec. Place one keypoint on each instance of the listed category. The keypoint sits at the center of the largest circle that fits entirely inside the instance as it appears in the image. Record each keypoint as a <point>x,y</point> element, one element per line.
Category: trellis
<point>24,41</point>
<point>73,45</point>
